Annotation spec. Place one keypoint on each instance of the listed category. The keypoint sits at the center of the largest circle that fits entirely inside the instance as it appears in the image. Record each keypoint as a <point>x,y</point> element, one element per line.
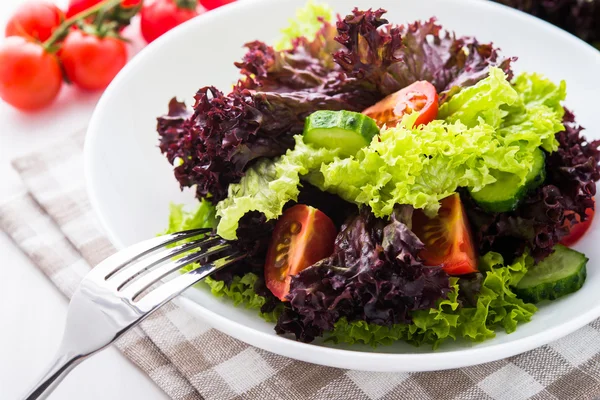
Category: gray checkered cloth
<point>54,225</point>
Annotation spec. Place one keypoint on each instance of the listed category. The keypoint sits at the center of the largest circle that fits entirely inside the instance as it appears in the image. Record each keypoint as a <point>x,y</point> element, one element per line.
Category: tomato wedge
<point>447,238</point>
<point>579,229</point>
<point>420,96</point>
<point>302,236</point>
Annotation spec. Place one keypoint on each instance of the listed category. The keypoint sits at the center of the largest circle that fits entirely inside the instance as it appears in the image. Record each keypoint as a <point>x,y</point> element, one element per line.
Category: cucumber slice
<point>345,130</point>
<point>507,192</point>
<point>559,274</point>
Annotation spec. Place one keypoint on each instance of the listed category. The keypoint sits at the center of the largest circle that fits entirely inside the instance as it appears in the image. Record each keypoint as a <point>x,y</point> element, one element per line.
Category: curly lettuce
<point>182,219</point>
<point>241,291</point>
<point>495,307</point>
<point>269,185</point>
<point>490,127</point>
<point>526,112</point>
<point>307,23</point>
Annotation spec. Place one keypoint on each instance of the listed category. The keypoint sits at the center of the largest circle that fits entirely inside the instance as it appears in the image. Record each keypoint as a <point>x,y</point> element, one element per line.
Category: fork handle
<point>57,371</point>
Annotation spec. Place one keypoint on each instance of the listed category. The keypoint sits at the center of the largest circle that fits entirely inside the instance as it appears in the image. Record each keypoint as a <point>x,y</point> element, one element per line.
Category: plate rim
<point>334,357</point>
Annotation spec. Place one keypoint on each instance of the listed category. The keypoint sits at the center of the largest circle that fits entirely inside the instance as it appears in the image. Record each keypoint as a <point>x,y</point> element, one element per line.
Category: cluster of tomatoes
<point>46,46</point>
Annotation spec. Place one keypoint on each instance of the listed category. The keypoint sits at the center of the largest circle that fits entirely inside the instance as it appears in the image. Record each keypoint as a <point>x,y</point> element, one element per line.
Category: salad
<point>386,182</point>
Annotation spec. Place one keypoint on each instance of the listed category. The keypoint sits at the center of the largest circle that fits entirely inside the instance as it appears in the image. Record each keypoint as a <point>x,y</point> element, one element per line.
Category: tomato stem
<point>66,25</point>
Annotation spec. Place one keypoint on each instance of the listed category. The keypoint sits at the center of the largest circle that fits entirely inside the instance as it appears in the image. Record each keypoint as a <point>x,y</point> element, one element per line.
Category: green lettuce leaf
<point>268,185</point>
<point>306,23</point>
<point>419,166</point>
<point>527,113</point>
<point>488,128</point>
<point>180,219</point>
<point>481,102</point>
<point>535,119</point>
<point>241,292</point>
<point>497,307</point>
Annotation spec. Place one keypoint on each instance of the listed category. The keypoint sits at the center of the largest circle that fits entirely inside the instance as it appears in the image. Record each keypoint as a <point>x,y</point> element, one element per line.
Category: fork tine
<point>174,287</point>
<point>147,280</point>
<point>120,279</point>
<point>116,262</point>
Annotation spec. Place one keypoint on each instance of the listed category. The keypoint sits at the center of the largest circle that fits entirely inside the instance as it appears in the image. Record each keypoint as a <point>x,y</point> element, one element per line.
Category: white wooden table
<point>31,308</point>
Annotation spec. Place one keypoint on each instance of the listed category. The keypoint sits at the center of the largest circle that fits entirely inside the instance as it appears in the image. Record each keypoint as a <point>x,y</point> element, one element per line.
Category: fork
<point>126,288</point>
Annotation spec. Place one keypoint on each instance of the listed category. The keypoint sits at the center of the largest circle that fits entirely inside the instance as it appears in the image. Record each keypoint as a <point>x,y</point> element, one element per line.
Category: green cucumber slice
<point>507,192</point>
<point>345,130</point>
<point>559,274</point>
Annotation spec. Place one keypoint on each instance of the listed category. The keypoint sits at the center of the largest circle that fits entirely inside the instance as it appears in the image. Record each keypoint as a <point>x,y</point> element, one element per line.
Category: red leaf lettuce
<point>348,68</point>
<point>374,275</point>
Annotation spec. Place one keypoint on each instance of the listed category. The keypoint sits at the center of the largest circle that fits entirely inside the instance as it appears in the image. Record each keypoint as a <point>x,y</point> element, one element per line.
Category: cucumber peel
<point>562,272</point>
<point>345,130</point>
<point>507,192</point>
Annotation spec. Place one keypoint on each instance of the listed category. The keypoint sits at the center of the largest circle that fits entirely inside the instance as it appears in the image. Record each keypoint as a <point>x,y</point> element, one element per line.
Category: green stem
<point>62,29</point>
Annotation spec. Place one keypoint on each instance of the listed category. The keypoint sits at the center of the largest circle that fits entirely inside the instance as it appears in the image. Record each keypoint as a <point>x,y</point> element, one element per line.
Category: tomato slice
<point>302,236</point>
<point>579,229</point>
<point>420,96</point>
<point>447,238</point>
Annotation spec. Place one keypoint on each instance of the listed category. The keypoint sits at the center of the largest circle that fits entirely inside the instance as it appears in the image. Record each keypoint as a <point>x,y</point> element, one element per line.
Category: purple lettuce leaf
<point>385,57</point>
<point>368,59</point>
<point>212,147</point>
<point>374,275</point>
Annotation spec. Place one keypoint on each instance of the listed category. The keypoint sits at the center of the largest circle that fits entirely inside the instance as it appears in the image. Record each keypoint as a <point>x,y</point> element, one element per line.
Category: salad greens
<point>349,66</point>
<point>255,168</point>
<point>306,23</point>
<point>416,166</point>
<point>268,186</point>
<point>496,307</point>
<point>181,220</point>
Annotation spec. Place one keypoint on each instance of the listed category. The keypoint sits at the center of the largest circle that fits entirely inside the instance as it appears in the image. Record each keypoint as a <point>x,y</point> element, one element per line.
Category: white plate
<point>131,184</point>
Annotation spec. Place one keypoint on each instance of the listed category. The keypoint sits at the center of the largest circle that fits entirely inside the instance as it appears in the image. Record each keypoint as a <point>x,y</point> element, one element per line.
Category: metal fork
<point>126,288</point>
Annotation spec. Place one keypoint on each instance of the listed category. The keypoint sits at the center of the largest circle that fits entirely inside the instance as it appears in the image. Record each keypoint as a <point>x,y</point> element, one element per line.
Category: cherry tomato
<point>77,6</point>
<point>35,20</point>
<point>447,238</point>
<point>130,3</point>
<point>579,229</point>
<point>420,96</point>
<point>302,236</point>
<point>30,77</point>
<point>91,62</point>
<point>212,4</point>
<point>160,16</point>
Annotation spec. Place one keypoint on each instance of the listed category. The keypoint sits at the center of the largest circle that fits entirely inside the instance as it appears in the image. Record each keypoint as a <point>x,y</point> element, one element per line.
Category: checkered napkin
<point>54,225</point>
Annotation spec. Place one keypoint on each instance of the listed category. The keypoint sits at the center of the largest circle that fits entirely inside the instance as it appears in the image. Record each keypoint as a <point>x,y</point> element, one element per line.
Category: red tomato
<point>91,62</point>
<point>303,235</point>
<point>212,4</point>
<point>420,96</point>
<point>579,229</point>
<point>30,77</point>
<point>130,3</point>
<point>160,16</point>
<point>447,238</point>
<point>35,20</point>
<point>77,6</point>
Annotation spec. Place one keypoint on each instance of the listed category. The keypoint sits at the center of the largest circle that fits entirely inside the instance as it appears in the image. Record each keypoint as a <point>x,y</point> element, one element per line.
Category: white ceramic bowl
<point>131,184</point>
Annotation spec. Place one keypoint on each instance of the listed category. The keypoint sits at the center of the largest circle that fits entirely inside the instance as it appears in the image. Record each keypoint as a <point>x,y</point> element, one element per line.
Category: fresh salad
<point>386,182</point>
